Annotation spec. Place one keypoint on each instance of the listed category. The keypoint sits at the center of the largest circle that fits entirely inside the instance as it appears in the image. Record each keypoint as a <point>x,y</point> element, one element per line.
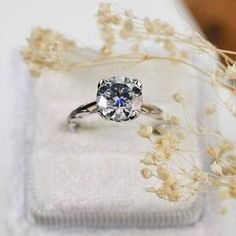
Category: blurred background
<point>217,19</point>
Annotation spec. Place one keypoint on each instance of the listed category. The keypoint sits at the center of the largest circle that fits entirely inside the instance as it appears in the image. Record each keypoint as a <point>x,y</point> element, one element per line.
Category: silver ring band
<point>119,98</point>
<point>90,108</point>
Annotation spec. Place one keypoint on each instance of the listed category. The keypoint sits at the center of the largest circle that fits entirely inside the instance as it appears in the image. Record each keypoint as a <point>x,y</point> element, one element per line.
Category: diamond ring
<point>119,98</point>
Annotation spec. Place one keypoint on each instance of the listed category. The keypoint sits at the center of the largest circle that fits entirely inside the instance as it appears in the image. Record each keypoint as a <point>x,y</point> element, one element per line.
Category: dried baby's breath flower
<point>163,173</point>
<point>169,189</point>
<point>168,142</point>
<point>104,8</point>
<point>146,173</point>
<point>129,13</point>
<point>157,26</point>
<point>46,49</point>
<point>149,159</point>
<point>200,176</point>
<point>109,38</point>
<point>160,156</point>
<point>168,29</point>
<point>214,152</point>
<point>128,25</point>
<point>223,158</point>
<point>228,163</point>
<point>106,50</point>
<point>127,30</point>
<point>178,97</point>
<point>219,73</point>
<point>108,35</point>
<point>226,145</point>
<point>145,131</point>
<point>175,120</point>
<point>151,190</point>
<point>230,72</point>
<point>116,19</point>
<point>166,192</point>
<point>169,45</point>
<point>216,168</point>
<point>148,25</point>
<point>210,110</point>
<point>232,190</point>
<point>160,130</point>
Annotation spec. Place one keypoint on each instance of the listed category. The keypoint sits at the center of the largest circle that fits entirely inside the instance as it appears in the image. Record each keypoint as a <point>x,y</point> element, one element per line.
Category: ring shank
<point>90,108</point>
<point>152,111</point>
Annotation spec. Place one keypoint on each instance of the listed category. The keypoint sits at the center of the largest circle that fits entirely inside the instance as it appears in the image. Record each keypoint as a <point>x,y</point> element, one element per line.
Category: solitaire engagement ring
<point>119,98</point>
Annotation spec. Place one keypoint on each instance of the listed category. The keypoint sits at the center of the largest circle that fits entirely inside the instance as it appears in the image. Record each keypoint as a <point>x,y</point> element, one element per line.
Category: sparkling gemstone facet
<point>119,98</point>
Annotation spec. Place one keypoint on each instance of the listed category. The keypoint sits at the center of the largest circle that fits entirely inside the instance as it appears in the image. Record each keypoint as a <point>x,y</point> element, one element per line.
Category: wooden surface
<point>217,19</point>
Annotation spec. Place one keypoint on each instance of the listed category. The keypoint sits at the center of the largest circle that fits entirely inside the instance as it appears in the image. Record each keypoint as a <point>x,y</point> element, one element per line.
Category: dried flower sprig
<point>171,162</point>
<point>46,49</point>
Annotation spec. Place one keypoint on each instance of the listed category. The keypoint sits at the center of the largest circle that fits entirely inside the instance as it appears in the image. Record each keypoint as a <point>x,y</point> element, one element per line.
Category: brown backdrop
<point>217,19</point>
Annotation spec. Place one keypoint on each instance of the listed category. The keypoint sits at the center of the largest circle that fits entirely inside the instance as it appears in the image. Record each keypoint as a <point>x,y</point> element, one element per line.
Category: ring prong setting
<point>119,98</point>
